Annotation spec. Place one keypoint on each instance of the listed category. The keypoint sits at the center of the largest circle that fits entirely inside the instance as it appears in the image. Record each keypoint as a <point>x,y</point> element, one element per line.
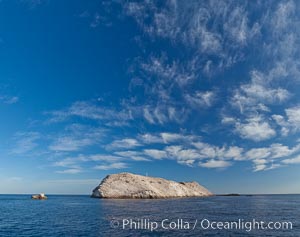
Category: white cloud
<point>69,171</point>
<point>263,93</point>
<point>265,158</point>
<point>156,154</point>
<point>148,116</point>
<point>274,151</point>
<point>293,115</point>
<point>70,144</point>
<point>124,143</point>
<point>132,155</point>
<point>166,137</point>
<point>102,157</point>
<point>237,25</point>
<point>194,24</point>
<point>76,137</point>
<point>201,99</point>
<point>254,95</point>
<point>206,150</point>
<point>290,122</point>
<point>118,165</point>
<point>258,153</point>
<point>228,120</point>
<point>149,138</point>
<point>234,152</point>
<point>256,129</point>
<point>103,161</point>
<point>222,31</point>
<point>295,160</point>
<point>67,182</point>
<point>162,114</point>
<point>186,162</point>
<point>180,153</point>
<point>188,154</point>
<point>280,151</point>
<point>262,165</point>
<point>67,162</point>
<point>219,31</point>
<point>9,99</point>
<point>185,149</point>
<point>215,164</point>
<point>91,111</point>
<point>211,37</point>
<point>25,142</point>
<point>282,48</point>
<point>168,73</point>
<point>280,120</point>
<point>282,17</point>
<point>259,166</point>
<point>171,137</point>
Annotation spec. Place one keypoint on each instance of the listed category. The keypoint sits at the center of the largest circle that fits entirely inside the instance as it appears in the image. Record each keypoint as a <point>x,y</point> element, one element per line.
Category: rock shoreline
<point>133,186</point>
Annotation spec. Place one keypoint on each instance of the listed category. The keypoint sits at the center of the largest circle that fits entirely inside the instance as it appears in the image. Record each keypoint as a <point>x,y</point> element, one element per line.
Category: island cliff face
<point>127,185</point>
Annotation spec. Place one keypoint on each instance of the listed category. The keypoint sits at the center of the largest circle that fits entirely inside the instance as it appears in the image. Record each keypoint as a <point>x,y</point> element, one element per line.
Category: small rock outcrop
<point>127,185</point>
<point>40,196</point>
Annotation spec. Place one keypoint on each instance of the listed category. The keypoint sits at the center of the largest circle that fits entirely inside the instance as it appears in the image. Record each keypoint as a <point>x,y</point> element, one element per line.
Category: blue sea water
<point>85,216</point>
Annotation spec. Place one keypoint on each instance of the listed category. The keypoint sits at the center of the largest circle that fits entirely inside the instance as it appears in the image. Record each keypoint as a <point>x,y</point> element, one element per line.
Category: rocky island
<point>127,185</point>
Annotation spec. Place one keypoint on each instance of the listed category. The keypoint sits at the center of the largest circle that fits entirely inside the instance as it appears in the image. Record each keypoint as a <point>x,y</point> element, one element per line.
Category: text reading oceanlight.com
<point>204,224</point>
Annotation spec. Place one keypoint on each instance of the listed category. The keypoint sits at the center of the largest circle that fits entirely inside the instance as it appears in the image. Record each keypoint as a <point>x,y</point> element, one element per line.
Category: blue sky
<point>196,90</point>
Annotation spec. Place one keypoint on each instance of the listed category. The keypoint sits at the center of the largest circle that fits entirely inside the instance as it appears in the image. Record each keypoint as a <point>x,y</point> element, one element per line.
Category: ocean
<point>213,216</point>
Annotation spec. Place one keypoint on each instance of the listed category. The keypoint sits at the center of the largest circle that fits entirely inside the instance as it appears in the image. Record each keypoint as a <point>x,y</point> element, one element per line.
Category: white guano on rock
<point>127,185</point>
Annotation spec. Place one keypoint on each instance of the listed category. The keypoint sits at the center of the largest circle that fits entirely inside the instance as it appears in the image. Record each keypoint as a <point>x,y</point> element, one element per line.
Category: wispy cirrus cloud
<point>9,99</point>
<point>32,4</point>
<point>89,110</point>
<point>118,165</point>
<point>69,171</point>
<point>101,161</point>
<point>75,137</point>
<point>169,21</point>
<point>67,162</point>
<point>162,114</point>
<point>124,143</point>
<point>132,155</point>
<point>226,65</point>
<point>195,31</point>
<point>70,144</point>
<point>25,142</point>
<point>201,99</point>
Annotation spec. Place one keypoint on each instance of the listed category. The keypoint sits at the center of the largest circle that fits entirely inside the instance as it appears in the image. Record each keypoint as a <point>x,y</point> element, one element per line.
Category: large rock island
<point>127,185</point>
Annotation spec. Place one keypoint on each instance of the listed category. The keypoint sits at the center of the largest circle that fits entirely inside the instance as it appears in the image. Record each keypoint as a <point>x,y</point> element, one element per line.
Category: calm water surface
<point>84,216</point>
